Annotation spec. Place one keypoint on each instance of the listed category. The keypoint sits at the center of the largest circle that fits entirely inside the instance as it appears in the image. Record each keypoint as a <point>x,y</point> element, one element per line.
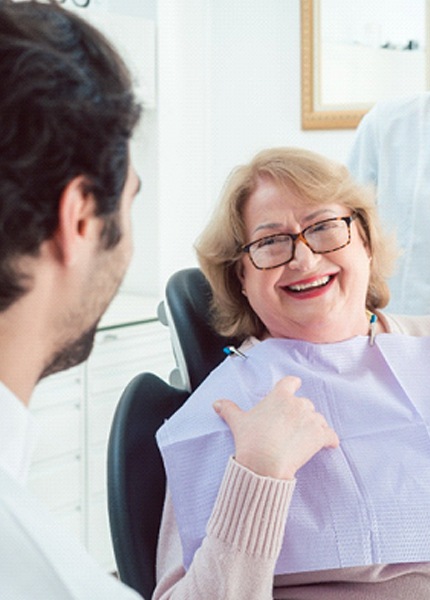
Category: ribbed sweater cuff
<point>251,511</point>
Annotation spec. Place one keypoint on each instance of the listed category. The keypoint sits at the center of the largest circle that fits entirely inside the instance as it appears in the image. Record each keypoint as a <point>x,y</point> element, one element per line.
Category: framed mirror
<point>354,54</point>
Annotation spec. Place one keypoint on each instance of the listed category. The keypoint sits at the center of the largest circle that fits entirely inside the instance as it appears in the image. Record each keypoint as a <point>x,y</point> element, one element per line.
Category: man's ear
<point>76,211</point>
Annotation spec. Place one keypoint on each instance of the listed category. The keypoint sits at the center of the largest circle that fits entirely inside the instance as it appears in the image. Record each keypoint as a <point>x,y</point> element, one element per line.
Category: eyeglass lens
<point>325,236</point>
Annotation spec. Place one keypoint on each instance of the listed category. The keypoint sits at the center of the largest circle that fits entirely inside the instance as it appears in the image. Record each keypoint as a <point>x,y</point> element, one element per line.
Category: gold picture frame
<point>312,118</point>
<point>346,70</point>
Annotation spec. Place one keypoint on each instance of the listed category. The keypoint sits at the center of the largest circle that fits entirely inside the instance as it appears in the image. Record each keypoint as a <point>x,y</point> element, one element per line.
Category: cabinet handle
<point>110,337</point>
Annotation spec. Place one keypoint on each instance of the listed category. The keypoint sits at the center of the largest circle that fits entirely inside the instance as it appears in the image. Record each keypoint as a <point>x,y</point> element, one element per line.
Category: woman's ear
<point>239,271</point>
<point>240,275</point>
<point>363,232</point>
<point>76,220</point>
<point>368,249</point>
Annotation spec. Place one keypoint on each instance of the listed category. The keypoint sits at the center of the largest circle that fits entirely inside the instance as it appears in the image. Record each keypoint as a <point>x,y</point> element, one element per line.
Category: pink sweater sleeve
<point>238,555</point>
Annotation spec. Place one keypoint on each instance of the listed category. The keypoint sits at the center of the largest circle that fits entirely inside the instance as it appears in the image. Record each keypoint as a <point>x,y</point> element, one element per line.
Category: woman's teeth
<point>300,287</point>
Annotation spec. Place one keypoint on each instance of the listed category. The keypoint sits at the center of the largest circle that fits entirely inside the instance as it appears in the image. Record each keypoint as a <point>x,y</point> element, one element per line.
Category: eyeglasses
<point>323,237</point>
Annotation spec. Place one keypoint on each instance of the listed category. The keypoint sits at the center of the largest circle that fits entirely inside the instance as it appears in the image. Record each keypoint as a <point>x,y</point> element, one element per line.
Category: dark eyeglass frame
<point>300,236</point>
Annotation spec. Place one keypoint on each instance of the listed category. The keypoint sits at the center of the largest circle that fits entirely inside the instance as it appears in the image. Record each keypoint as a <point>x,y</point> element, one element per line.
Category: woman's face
<point>315,297</point>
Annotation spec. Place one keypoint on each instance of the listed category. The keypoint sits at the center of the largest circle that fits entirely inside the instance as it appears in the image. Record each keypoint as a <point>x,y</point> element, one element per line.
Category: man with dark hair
<point>67,113</point>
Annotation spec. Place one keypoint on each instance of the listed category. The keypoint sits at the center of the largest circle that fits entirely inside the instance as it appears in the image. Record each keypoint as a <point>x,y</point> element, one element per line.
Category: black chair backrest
<point>136,478</point>
<point>197,347</point>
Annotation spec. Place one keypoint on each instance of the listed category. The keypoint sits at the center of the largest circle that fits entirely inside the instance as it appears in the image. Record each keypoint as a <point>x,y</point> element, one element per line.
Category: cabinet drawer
<point>112,379</point>
<point>99,538</point>
<point>139,343</point>
<point>72,520</point>
<point>61,388</point>
<point>97,471</point>
<point>100,415</point>
<point>57,483</point>
<point>60,431</point>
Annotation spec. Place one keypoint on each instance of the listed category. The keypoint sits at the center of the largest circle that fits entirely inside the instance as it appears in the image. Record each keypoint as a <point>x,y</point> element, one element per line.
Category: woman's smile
<point>311,287</point>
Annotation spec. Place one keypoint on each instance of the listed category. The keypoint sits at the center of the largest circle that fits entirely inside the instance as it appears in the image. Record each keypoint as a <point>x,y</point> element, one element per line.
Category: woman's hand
<point>278,435</point>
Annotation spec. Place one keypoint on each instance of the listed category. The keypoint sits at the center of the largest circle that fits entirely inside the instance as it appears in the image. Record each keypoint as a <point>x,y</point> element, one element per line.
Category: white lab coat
<point>38,560</point>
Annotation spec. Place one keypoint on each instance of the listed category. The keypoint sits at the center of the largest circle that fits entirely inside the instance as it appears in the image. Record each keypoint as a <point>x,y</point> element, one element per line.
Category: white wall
<point>130,24</point>
<point>229,85</point>
<point>256,97</point>
<point>185,139</point>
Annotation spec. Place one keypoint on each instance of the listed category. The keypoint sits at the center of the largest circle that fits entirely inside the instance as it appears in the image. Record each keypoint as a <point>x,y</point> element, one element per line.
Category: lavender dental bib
<point>367,501</point>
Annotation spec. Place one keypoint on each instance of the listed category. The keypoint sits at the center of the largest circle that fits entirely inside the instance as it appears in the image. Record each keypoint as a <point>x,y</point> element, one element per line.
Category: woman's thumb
<point>228,411</point>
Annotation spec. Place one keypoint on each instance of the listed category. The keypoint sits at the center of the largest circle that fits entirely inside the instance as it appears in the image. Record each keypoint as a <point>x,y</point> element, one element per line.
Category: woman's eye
<point>277,243</point>
<point>325,226</point>
<point>270,242</point>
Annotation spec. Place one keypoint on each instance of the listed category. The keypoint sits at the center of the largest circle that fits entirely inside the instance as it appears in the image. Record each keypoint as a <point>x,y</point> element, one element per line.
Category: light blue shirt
<point>392,151</point>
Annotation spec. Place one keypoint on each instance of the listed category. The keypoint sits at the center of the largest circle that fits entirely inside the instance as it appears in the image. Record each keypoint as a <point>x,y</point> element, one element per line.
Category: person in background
<point>67,113</point>
<point>310,479</point>
<point>391,152</point>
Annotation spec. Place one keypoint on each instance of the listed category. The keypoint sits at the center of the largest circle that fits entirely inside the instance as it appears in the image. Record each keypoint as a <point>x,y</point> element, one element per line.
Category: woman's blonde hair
<point>317,180</point>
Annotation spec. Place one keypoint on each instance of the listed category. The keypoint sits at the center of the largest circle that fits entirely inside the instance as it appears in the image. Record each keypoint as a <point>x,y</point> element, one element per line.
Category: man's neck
<point>23,350</point>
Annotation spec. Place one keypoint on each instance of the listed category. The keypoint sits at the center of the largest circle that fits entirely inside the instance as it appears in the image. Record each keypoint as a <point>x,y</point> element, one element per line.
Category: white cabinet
<point>58,470</point>
<point>74,410</point>
<point>119,354</point>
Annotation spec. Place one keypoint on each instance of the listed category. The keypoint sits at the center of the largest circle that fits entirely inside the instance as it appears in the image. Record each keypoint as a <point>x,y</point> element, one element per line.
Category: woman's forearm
<point>238,555</point>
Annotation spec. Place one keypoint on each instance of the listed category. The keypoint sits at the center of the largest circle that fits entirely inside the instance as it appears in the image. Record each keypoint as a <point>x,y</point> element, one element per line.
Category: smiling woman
<point>297,260</point>
<point>318,217</point>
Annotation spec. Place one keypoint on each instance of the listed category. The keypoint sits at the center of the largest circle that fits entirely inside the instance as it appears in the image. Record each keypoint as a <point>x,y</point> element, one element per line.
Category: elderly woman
<point>285,496</point>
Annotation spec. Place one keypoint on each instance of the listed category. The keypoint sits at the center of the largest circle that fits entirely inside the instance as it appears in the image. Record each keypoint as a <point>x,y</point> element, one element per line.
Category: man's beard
<point>71,354</point>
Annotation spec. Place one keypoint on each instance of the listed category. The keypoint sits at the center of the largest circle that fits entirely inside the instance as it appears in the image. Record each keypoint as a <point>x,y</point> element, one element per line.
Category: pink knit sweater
<point>237,558</point>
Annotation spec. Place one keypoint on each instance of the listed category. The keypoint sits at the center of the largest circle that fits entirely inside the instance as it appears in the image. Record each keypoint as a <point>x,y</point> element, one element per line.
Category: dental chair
<point>135,473</point>
<point>196,346</point>
<point>136,479</point>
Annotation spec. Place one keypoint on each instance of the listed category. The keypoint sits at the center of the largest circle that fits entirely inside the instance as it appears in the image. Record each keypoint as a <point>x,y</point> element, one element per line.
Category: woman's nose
<point>303,258</point>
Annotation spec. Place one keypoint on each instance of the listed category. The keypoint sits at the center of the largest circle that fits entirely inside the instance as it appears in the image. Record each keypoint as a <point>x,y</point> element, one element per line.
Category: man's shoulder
<point>40,560</point>
<point>398,109</point>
